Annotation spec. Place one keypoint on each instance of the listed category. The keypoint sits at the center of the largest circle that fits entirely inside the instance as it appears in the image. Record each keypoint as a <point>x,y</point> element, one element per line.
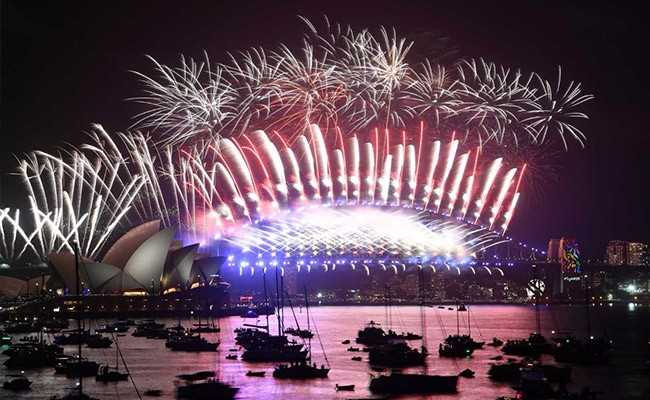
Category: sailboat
<point>458,346</point>
<point>207,327</point>
<point>180,340</point>
<point>397,383</point>
<point>390,349</point>
<point>107,374</point>
<point>373,335</point>
<point>302,369</point>
<point>261,346</point>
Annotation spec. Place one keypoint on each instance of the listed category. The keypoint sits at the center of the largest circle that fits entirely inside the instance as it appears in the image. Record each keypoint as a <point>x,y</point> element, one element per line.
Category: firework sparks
<point>356,80</point>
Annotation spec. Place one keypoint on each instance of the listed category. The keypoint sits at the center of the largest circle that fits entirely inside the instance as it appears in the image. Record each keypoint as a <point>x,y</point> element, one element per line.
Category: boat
<point>153,392</point>
<point>458,346</point>
<point>505,372</point>
<point>259,374</point>
<point>107,374</point>
<point>204,328</point>
<point>231,357</point>
<point>210,389</point>
<point>371,334</point>
<point>279,351</point>
<point>589,351</point>
<point>111,328</point>
<point>357,358</point>
<point>249,313</point>
<point>347,341</point>
<point>462,307</point>
<point>401,383</point>
<point>533,347</point>
<point>302,333</point>
<point>75,367</point>
<point>17,383</point>
<point>246,337</point>
<point>233,350</point>
<point>300,370</point>
<point>197,376</point>
<point>149,323</point>
<point>344,388</point>
<point>397,355</point>
<point>467,373</point>
<point>72,338</point>
<point>354,349</point>
<point>27,357</point>
<point>191,343</point>
<point>496,342</point>
<point>534,385</point>
<point>260,346</point>
<point>151,330</point>
<point>98,341</point>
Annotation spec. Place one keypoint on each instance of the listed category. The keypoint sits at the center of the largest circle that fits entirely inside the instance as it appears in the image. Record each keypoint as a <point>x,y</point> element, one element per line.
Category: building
<point>553,251</point>
<point>637,253</point>
<point>616,252</point>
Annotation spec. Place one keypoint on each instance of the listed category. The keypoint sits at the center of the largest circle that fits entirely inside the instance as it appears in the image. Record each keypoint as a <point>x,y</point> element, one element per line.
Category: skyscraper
<point>617,252</point>
<point>637,253</point>
<point>553,251</point>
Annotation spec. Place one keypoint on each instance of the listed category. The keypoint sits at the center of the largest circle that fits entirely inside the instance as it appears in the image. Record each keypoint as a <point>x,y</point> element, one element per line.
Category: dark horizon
<point>65,66</point>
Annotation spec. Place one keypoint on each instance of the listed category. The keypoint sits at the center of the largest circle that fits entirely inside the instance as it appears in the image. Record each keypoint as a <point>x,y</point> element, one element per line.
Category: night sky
<point>65,65</point>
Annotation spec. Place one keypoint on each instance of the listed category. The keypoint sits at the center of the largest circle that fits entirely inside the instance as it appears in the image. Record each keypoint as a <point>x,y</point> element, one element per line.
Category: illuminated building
<point>553,251</point>
<point>616,252</point>
<point>637,253</point>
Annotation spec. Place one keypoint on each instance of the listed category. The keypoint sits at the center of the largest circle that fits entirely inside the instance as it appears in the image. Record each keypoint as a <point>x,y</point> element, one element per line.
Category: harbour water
<point>155,367</point>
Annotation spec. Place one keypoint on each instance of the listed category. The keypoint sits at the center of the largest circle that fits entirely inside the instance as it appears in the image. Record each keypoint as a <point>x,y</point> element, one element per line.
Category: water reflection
<point>155,367</point>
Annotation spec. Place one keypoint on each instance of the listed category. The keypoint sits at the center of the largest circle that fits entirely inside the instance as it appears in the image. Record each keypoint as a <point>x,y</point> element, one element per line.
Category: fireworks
<point>357,80</point>
<point>341,146</point>
<point>360,232</point>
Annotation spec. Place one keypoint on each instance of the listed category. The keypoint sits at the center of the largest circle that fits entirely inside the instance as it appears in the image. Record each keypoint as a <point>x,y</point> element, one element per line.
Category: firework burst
<point>357,80</point>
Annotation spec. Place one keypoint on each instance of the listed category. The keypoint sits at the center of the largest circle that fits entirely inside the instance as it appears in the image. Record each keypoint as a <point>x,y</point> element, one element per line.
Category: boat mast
<point>282,300</point>
<point>469,326</point>
<point>308,324</point>
<point>266,300</point>
<point>76,268</point>
<point>457,319</point>
<point>277,301</point>
<point>423,323</point>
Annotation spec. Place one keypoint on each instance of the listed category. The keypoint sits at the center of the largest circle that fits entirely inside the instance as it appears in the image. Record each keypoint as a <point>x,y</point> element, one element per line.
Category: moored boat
<point>300,370</point>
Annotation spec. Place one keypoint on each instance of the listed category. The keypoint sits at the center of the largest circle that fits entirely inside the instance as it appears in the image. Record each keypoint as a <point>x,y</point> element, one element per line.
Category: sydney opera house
<point>144,261</point>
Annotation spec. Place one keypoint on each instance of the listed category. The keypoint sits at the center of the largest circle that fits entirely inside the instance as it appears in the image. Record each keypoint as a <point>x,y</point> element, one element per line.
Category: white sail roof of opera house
<point>138,260</point>
<point>178,269</point>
